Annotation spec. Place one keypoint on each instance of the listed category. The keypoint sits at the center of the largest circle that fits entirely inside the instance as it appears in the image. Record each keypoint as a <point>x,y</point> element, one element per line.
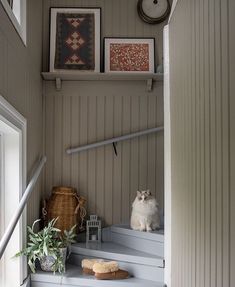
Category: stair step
<point>156,235</point>
<point>137,263</point>
<point>74,277</point>
<point>114,251</point>
<point>149,242</point>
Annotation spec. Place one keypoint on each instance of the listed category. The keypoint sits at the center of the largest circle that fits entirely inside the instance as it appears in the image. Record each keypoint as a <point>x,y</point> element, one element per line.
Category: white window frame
<point>10,115</point>
<point>19,26</point>
<point>167,159</point>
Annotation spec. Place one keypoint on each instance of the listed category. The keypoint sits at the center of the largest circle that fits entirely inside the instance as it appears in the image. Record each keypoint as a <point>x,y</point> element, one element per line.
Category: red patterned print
<point>129,57</point>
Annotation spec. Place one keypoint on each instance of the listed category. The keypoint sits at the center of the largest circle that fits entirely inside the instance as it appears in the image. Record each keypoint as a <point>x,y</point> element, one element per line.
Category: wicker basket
<point>65,204</point>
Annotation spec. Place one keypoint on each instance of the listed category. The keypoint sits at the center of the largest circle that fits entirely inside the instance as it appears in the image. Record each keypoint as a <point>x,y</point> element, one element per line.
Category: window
<point>12,185</point>
<point>16,10</point>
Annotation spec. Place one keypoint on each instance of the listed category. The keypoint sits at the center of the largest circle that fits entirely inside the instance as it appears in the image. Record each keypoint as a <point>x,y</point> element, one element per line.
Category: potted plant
<point>48,246</point>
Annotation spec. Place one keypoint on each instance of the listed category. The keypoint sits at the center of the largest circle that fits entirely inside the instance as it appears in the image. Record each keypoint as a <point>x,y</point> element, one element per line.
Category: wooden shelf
<point>89,76</point>
<point>85,76</point>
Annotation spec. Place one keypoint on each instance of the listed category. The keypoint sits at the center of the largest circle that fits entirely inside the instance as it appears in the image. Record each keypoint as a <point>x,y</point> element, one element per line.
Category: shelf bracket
<point>58,84</point>
<point>149,85</point>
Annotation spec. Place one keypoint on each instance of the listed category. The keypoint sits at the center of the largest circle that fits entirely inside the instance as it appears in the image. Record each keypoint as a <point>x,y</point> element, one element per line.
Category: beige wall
<point>86,112</point>
<point>202,75</point>
<point>21,85</point>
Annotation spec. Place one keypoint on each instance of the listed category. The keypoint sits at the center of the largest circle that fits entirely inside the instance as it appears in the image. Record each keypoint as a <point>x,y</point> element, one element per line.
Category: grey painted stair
<point>139,264</point>
<point>74,277</point>
<point>149,242</point>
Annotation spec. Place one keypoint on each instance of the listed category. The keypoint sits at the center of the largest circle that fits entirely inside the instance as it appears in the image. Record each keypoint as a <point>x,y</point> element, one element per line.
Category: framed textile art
<point>75,40</point>
<point>129,55</point>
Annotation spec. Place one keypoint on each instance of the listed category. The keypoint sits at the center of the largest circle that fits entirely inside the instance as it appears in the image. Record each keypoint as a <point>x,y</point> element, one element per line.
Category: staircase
<point>140,253</point>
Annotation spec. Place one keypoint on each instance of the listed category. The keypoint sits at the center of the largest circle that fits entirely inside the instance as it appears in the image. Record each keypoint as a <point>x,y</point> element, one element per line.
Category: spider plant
<point>48,242</point>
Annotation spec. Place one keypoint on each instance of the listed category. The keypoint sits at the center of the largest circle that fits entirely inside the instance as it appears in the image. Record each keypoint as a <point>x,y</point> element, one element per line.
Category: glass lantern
<point>93,230</point>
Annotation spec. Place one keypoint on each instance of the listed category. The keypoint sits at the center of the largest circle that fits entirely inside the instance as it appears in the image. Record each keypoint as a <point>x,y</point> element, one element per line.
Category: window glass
<point>16,9</point>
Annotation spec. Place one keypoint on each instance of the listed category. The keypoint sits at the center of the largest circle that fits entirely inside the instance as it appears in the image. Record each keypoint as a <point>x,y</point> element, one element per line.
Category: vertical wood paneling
<point>134,148</point>
<point>151,143</point>
<point>83,158</point>
<point>143,158</point>
<point>58,136</point>
<point>202,148</point>
<point>231,68</point>
<point>160,146</point>
<point>21,85</point>
<point>109,110</point>
<point>66,140</point>
<point>100,159</point>
<point>91,196</point>
<point>109,182</point>
<point>117,161</point>
<point>126,128</point>
<point>75,140</point>
<point>49,135</point>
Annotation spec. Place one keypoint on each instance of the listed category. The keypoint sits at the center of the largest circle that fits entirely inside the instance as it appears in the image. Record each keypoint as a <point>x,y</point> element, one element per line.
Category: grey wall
<point>21,85</point>
<point>88,112</point>
<point>85,112</point>
<point>202,74</point>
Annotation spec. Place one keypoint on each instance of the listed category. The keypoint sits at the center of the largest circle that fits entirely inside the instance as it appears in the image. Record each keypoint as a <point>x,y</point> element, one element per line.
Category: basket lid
<point>64,190</point>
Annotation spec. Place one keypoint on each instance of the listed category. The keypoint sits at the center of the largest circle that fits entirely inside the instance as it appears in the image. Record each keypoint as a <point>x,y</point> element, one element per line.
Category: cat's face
<point>143,195</point>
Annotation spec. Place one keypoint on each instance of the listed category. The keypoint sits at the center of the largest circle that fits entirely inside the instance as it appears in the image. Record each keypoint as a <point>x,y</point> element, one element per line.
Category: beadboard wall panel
<point>202,125</point>
<point>21,85</point>
<point>86,112</point>
<point>119,18</point>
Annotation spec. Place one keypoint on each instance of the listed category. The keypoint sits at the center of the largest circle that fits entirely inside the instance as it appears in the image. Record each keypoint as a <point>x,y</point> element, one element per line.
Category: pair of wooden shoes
<point>103,270</point>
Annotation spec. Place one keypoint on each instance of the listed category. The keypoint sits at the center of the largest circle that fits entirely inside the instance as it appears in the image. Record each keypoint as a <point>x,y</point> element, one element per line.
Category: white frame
<point>167,159</point>
<point>19,27</point>
<point>109,41</point>
<point>96,12</point>
<point>12,117</point>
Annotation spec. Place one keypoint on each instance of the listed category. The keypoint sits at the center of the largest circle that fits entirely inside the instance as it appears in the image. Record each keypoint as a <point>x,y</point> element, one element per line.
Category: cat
<point>145,212</point>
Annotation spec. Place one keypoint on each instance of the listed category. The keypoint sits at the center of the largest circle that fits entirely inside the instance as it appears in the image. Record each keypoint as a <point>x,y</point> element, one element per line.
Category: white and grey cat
<point>145,212</point>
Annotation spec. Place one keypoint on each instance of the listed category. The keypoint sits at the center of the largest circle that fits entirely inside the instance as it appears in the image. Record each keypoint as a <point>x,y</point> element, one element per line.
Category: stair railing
<point>15,218</point>
<point>114,140</point>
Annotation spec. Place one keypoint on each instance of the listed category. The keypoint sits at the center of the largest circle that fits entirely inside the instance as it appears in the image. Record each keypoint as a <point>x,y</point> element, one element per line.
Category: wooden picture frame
<point>129,55</point>
<point>75,40</point>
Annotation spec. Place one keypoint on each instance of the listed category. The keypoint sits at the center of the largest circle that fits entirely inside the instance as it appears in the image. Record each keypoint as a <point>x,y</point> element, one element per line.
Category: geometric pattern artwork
<point>75,41</point>
<point>129,57</point>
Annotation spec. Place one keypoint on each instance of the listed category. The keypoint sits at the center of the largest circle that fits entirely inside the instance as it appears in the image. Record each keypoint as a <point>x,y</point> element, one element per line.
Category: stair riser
<point>145,245</point>
<point>46,284</point>
<point>98,283</point>
<point>137,270</point>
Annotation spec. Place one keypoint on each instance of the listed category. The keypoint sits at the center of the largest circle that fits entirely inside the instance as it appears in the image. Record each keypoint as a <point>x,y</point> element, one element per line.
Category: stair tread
<point>114,251</point>
<point>75,277</point>
<point>157,235</point>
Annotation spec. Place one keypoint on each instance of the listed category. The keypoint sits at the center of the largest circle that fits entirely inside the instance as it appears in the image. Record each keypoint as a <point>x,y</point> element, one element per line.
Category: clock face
<point>153,11</point>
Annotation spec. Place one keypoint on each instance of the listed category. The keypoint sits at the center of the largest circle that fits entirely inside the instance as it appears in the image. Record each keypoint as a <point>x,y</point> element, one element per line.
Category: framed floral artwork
<point>75,39</point>
<point>129,55</point>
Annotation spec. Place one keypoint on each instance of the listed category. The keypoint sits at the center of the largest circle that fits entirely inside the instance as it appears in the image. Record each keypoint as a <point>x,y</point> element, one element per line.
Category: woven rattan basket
<point>65,204</point>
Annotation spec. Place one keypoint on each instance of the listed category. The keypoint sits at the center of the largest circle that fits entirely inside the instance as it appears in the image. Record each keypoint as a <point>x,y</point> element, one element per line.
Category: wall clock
<point>153,11</point>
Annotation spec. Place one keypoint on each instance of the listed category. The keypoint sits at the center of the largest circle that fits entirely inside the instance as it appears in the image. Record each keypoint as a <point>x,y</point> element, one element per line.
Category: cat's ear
<point>148,192</point>
<point>138,193</point>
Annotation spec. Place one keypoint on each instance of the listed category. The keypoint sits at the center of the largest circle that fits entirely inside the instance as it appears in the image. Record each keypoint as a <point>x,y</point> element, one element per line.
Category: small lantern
<point>93,232</point>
